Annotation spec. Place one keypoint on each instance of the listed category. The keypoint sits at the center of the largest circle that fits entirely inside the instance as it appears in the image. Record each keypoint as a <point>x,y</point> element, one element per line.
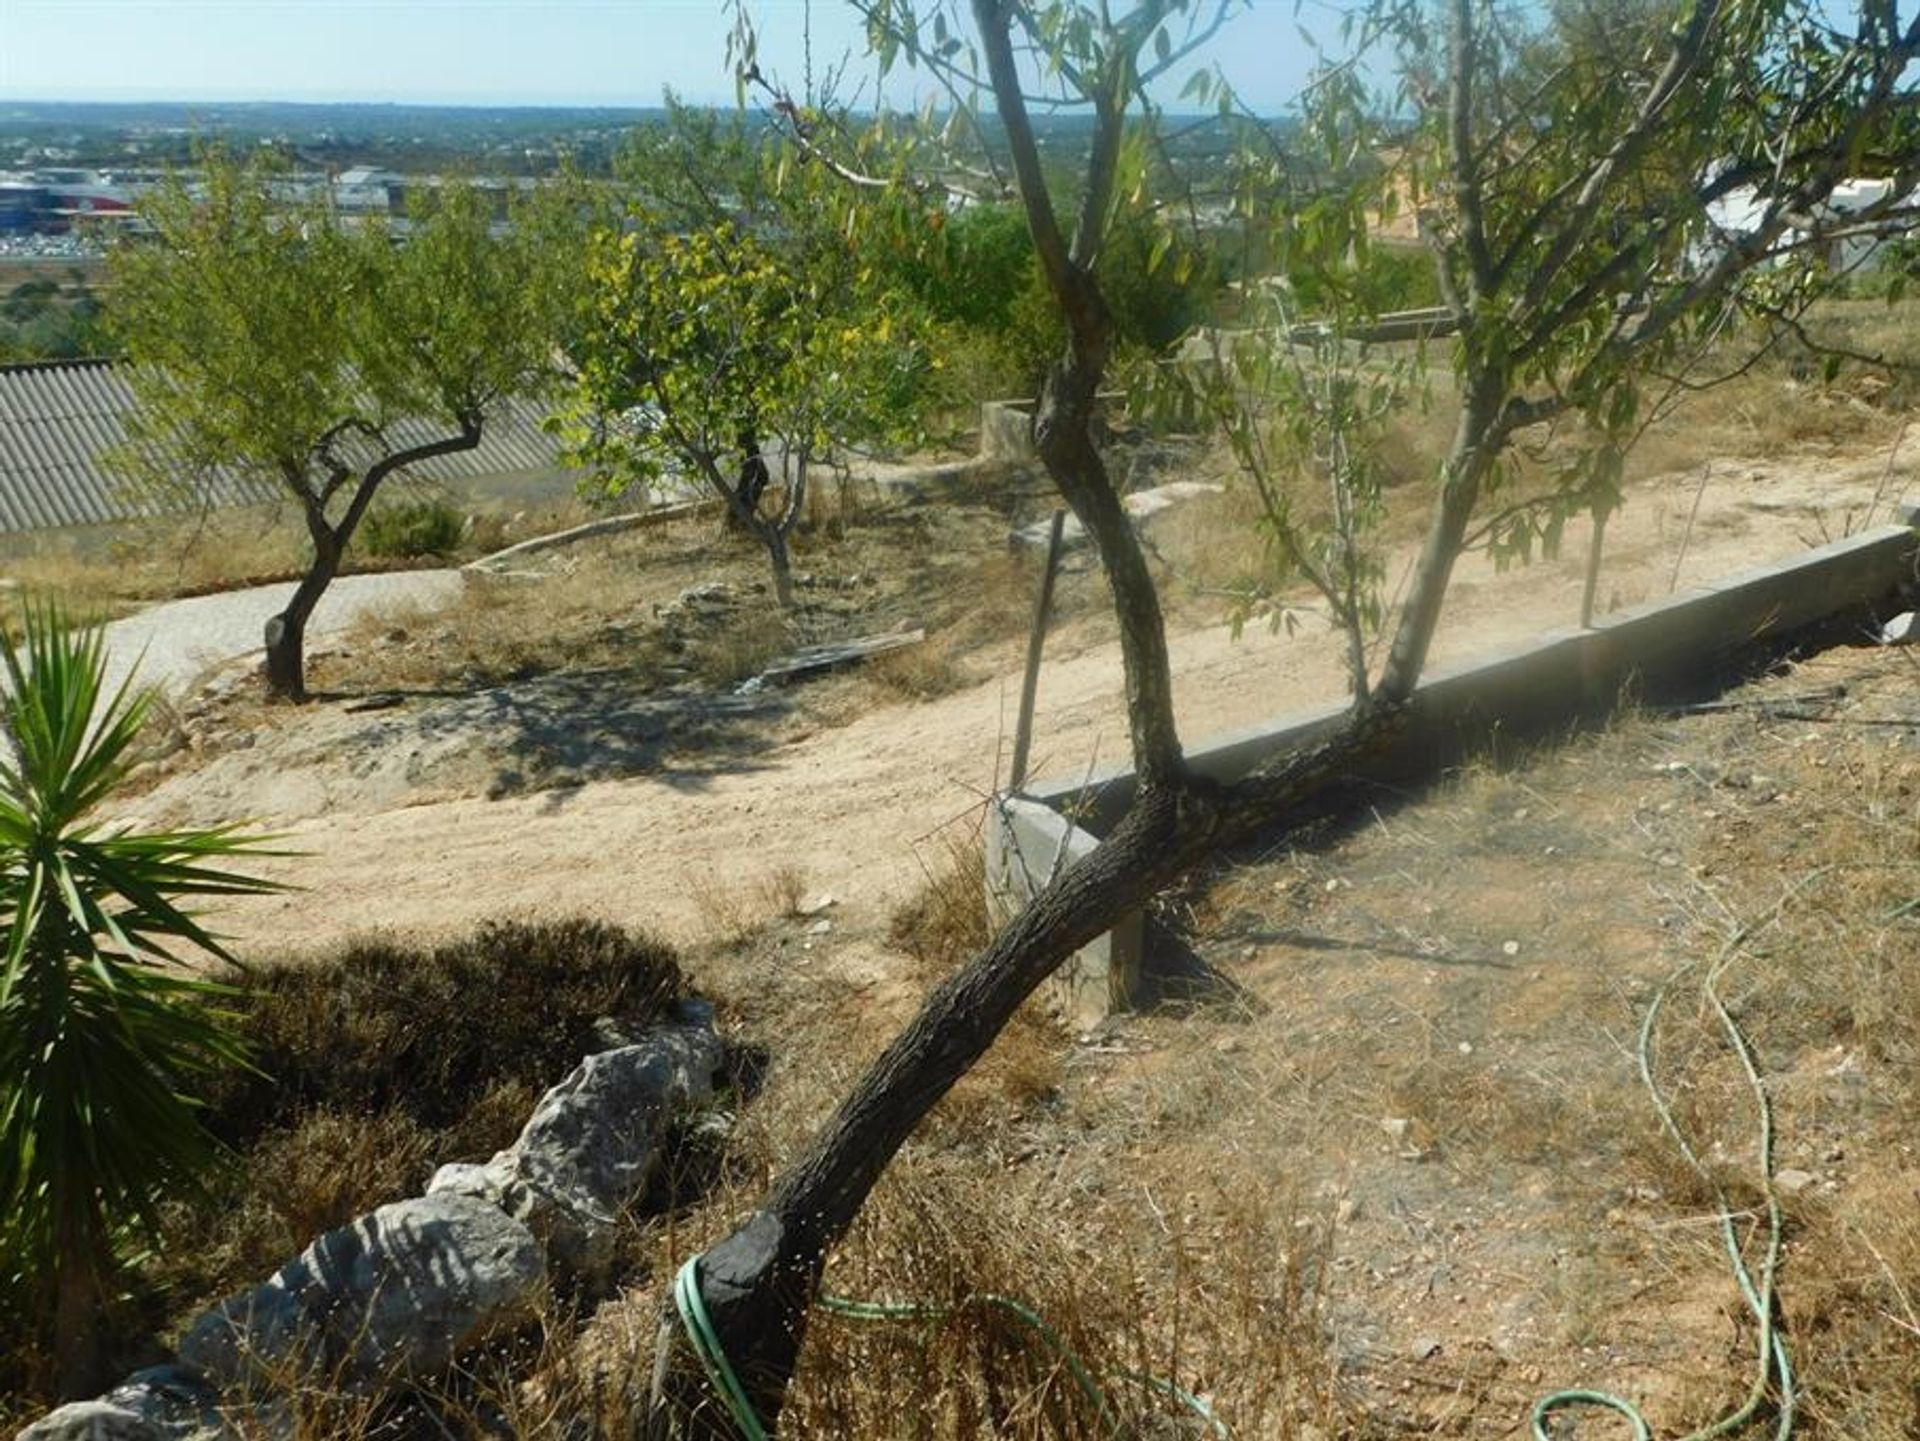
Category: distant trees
<point>735,331</point>
<point>1566,253</point>
<point>52,319</point>
<point>276,338</point>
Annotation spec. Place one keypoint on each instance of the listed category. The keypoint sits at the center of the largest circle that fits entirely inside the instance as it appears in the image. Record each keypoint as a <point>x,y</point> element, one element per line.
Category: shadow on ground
<point>560,731</point>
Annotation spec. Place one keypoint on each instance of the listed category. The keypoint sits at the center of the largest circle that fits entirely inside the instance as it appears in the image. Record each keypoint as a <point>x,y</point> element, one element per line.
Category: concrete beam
<point>1028,844</point>
<point>1676,642</point>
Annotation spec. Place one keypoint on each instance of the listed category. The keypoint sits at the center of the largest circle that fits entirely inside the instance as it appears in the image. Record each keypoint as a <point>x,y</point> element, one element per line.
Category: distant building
<point>1741,213</point>
<point>25,209</point>
<point>365,190</point>
<point>60,420</point>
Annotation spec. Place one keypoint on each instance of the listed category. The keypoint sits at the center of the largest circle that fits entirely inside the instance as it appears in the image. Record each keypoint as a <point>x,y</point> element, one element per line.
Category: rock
<point>1791,1182</point>
<point>818,904</point>
<point>820,928</point>
<point>161,1403</point>
<point>1397,1127</point>
<point>1903,629</point>
<point>1427,1347</point>
<point>399,1292</point>
<point>93,1421</point>
<point>592,1144</point>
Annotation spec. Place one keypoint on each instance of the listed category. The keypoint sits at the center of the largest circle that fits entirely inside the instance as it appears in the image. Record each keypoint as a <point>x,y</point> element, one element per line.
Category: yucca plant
<point>104,1023</point>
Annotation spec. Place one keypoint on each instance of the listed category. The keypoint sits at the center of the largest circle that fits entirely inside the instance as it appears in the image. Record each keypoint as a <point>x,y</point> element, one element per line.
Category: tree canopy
<point>735,333</point>
<point>270,335</point>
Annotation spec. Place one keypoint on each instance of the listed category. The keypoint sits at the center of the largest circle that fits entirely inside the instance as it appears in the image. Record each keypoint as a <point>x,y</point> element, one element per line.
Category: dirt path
<point>176,643</point>
<point>856,808</point>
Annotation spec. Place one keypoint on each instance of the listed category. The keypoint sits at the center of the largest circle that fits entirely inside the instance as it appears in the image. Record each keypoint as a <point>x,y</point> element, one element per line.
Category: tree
<point>1543,333</point>
<point>103,1029</point>
<point>733,321</point>
<point>269,336</point>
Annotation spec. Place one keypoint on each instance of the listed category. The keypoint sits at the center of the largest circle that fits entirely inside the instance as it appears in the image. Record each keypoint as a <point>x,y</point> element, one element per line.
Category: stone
<point>161,1403</point>
<point>593,1144</point>
<point>1791,1182</point>
<point>1903,629</point>
<point>400,1292</point>
<point>99,1420</point>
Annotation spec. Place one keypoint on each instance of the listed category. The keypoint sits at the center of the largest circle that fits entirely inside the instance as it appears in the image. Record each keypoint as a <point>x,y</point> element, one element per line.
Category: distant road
<point>178,641</point>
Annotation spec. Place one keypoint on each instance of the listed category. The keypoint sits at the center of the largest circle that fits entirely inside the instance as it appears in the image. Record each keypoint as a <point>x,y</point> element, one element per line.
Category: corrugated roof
<point>59,420</point>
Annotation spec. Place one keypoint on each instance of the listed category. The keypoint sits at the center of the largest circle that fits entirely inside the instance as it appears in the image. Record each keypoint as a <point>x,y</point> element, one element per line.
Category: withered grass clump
<point>385,1025</point>
<point>374,1065</point>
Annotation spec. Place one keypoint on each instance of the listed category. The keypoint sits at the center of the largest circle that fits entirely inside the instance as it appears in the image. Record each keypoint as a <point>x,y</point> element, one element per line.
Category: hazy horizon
<point>492,54</point>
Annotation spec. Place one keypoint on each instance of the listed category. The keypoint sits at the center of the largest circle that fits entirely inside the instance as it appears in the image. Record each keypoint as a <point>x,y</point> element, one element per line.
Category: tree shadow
<point>556,733</point>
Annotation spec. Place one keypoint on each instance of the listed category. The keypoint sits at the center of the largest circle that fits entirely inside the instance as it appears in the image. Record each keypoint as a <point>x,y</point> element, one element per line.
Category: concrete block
<point>1522,688</point>
<point>1027,845</point>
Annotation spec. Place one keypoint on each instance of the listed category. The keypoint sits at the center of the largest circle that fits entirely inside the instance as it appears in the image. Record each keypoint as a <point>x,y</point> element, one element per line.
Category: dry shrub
<point>383,1025</point>
<point>784,888</point>
<point>741,648</point>
<point>920,672</point>
<point>375,1064</point>
<point>1232,1316</point>
<point>944,922</point>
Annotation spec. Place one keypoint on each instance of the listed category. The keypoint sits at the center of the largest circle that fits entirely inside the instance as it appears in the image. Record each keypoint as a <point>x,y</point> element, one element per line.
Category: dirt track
<point>854,808</point>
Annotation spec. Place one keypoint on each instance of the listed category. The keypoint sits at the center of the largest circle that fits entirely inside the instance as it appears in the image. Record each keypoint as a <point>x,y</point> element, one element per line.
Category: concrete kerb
<point>1523,689</point>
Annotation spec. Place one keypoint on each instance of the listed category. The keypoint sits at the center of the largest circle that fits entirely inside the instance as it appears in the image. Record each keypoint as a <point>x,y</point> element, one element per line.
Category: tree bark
<point>782,562</point>
<point>1475,448</point>
<point>286,634</point>
<point>79,1303</point>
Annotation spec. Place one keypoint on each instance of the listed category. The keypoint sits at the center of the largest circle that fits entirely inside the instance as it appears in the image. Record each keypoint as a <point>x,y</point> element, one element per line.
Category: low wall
<point>1525,689</point>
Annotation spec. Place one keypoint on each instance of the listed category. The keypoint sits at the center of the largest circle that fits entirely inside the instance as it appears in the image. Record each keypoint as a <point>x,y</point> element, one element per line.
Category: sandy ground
<point>858,808</point>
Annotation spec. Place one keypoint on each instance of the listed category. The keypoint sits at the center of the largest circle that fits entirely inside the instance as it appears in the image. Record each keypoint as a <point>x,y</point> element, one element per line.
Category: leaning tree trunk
<point>757,1285</point>
<point>781,560</point>
<point>286,634</point>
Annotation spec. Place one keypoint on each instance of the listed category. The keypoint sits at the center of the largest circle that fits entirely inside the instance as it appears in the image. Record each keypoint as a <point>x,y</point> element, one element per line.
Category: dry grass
<point>375,1065</point>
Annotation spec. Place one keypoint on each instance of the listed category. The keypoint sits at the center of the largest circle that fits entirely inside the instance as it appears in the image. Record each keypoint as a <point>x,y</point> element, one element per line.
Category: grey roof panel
<point>59,419</point>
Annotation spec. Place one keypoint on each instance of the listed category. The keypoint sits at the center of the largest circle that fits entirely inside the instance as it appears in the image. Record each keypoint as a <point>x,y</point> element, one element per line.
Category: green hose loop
<point>1773,1366</point>
<point>713,1357</point>
<point>726,1382</point>
<point>1562,1400</point>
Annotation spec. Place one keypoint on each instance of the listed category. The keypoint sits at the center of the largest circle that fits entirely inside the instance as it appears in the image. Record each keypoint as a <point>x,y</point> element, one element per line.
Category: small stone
<point>1397,1127</point>
<point>818,904</point>
<point>1902,629</point>
<point>1426,1348</point>
<point>1466,1048</point>
<point>820,928</point>
<point>1792,1181</point>
<point>1510,948</point>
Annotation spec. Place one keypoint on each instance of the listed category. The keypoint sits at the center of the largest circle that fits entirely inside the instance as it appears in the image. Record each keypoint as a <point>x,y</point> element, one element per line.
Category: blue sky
<point>493,52</point>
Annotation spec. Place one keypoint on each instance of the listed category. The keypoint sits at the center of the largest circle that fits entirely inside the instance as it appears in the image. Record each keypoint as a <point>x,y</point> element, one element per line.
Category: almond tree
<point>1560,312</point>
<point>271,337</point>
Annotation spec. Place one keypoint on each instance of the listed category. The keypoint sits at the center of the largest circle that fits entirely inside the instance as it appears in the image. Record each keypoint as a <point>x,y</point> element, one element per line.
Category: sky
<point>489,52</point>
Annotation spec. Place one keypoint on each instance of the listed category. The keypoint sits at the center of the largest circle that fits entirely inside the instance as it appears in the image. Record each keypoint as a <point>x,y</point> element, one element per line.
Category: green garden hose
<point>726,1383</point>
<point>1773,1366</point>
